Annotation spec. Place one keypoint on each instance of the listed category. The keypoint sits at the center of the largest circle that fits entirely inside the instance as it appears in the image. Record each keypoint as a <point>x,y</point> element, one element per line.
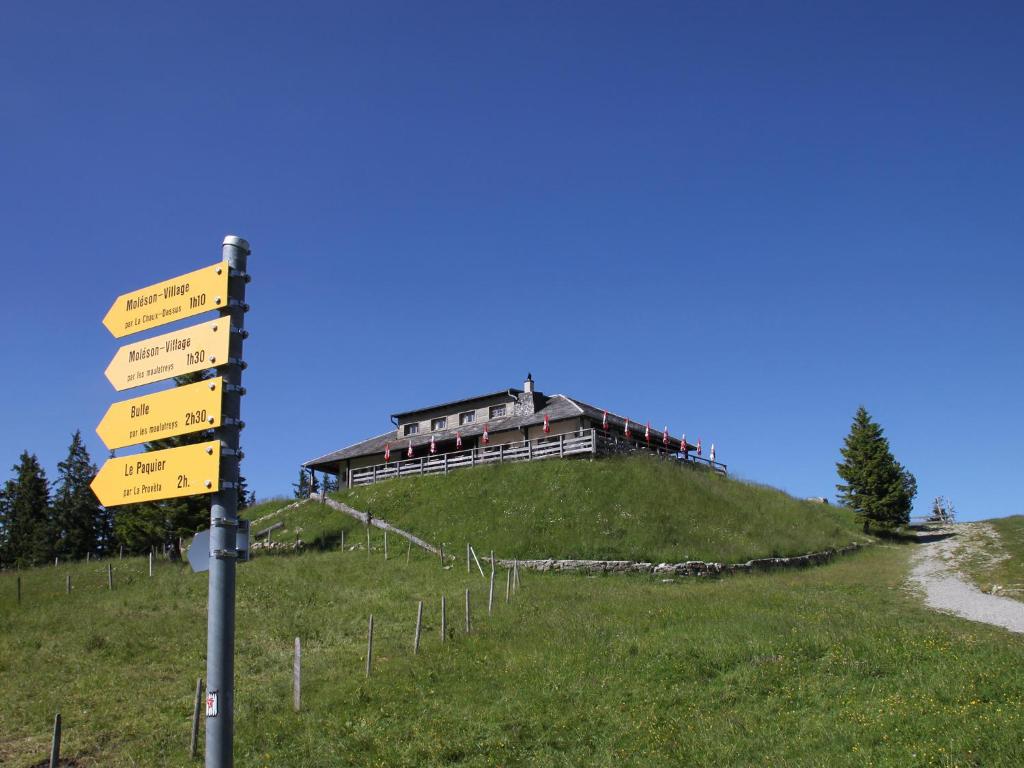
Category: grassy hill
<point>997,561</point>
<point>630,509</point>
<point>830,666</point>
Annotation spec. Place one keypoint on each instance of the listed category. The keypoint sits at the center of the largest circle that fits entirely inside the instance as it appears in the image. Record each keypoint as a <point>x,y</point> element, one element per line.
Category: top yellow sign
<point>174,299</point>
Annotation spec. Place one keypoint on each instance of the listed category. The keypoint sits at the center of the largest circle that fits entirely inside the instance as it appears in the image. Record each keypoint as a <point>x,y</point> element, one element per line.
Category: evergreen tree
<point>307,484</point>
<point>28,524</point>
<point>877,487</point>
<point>5,512</point>
<point>78,516</point>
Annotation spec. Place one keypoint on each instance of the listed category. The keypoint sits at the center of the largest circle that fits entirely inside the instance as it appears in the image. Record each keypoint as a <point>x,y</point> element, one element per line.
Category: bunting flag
<point>684,447</point>
<point>698,446</point>
<point>409,452</point>
<point>458,441</point>
<point>604,421</point>
<point>712,453</point>
<point>486,438</point>
<point>387,452</point>
<point>664,436</point>
<point>627,428</point>
<point>647,433</point>
<point>433,445</point>
<point>547,427</point>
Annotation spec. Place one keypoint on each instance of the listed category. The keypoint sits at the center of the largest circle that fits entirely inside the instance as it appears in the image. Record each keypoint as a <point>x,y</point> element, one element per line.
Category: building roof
<point>510,392</point>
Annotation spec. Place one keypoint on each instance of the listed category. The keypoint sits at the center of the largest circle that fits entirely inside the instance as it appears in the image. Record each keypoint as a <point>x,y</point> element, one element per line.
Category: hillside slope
<point>629,509</point>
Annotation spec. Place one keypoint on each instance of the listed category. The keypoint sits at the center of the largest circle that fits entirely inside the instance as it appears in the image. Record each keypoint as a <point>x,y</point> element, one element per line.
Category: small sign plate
<point>212,703</point>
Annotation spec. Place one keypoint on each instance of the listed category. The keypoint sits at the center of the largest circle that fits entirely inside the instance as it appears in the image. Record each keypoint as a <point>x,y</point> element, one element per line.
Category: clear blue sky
<point>742,219</point>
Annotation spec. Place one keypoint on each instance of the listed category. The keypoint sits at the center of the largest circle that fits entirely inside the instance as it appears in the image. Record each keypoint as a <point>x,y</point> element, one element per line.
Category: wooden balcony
<point>581,443</point>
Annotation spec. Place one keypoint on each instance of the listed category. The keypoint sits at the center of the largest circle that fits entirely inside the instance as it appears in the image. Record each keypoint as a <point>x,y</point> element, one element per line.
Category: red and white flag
<point>712,455</point>
<point>647,433</point>
<point>387,452</point>
<point>486,438</point>
<point>664,436</point>
<point>683,446</point>
<point>627,428</point>
<point>604,421</point>
<point>547,427</point>
<point>409,452</point>
<point>433,445</point>
<point>698,446</point>
<point>458,440</point>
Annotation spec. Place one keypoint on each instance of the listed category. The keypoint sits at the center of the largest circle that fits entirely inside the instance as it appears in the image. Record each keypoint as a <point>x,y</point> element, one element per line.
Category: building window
<point>412,429</point>
<point>467,418</point>
<point>436,424</point>
<point>497,411</point>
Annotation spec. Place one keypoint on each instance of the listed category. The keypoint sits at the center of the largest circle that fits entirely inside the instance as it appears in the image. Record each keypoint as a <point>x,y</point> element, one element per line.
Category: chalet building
<point>507,425</point>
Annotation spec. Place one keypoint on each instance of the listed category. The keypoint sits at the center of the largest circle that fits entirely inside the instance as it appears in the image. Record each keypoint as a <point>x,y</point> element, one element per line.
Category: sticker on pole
<point>212,702</point>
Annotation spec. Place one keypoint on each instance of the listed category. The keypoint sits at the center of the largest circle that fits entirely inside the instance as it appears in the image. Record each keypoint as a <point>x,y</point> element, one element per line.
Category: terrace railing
<point>579,443</point>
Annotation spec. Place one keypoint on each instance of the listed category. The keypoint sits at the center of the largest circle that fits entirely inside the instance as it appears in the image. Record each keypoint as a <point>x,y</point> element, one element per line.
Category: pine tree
<point>307,484</point>
<point>77,514</point>
<point>28,523</point>
<point>877,487</point>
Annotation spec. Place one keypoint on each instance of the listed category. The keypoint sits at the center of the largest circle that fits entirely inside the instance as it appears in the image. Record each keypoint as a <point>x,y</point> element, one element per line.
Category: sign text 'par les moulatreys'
<point>166,474</point>
<point>175,299</point>
<point>187,350</point>
<point>178,411</point>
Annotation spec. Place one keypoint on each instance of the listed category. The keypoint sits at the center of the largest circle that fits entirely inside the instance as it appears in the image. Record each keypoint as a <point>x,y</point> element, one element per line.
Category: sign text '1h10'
<point>175,299</point>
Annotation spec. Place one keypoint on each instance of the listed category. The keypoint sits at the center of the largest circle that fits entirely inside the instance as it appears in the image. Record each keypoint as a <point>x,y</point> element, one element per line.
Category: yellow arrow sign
<point>167,474</point>
<point>173,299</point>
<point>172,354</point>
<point>177,411</point>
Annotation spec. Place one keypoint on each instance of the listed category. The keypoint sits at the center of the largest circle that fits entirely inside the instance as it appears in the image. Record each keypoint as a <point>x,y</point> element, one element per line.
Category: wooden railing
<point>587,441</point>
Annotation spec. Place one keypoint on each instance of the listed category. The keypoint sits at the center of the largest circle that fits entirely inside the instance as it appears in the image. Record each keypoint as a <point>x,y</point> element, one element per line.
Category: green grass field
<point>630,509</point>
<point>998,562</point>
<point>835,666</point>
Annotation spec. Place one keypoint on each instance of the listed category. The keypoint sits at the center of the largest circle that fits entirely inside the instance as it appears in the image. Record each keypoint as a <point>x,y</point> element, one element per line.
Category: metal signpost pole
<point>220,638</point>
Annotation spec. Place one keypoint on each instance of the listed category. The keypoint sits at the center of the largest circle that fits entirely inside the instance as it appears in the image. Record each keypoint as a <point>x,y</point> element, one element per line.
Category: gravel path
<point>945,590</point>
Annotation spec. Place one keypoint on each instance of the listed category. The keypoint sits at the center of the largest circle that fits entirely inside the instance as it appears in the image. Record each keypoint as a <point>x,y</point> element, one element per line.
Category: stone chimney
<point>525,404</point>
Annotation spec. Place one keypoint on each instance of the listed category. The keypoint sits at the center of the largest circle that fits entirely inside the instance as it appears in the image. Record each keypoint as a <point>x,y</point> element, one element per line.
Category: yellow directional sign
<point>172,354</point>
<point>184,471</point>
<point>177,411</point>
<point>173,299</point>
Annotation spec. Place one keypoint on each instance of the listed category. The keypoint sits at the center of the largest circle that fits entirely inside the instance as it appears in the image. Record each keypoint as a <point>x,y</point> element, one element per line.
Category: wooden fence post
<point>55,743</point>
<point>69,584</point>
<point>385,543</point>
<point>469,625</point>
<point>342,539</point>
<point>490,596</point>
<point>419,625</point>
<point>444,619</point>
<point>367,539</point>
<point>110,576</point>
<point>492,561</point>
<point>297,676</point>
<point>150,563</point>
<point>194,742</point>
<point>408,553</point>
<point>369,647</point>
<point>468,569</point>
<point>441,553</point>
<point>508,585</point>
<point>477,559</point>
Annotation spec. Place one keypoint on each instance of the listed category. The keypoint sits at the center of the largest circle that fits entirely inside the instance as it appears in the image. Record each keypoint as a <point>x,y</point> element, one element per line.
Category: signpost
<point>209,467</point>
<point>191,349</point>
<point>175,299</point>
<point>168,474</point>
<point>178,411</point>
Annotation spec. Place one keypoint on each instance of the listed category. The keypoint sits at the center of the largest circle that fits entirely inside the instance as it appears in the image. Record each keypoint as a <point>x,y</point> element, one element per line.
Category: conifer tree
<point>307,484</point>
<point>28,524</point>
<point>877,487</point>
<point>78,516</point>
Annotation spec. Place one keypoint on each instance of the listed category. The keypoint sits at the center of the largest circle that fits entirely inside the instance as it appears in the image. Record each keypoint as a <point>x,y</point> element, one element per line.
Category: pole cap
<point>239,242</point>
